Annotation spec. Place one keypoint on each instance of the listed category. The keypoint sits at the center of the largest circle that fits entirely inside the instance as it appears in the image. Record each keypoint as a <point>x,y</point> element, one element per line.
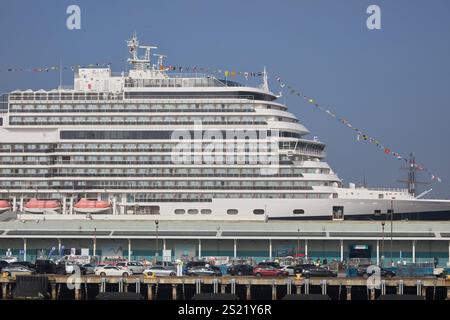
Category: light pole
<point>392,227</point>
<point>298,244</point>
<point>156,251</point>
<point>382,242</point>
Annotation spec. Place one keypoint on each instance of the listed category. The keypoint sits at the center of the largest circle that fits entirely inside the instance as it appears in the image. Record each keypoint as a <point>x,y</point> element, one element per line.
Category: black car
<point>49,267</point>
<point>384,273</point>
<point>3,264</point>
<point>26,264</point>
<point>241,270</point>
<point>299,268</point>
<point>318,272</point>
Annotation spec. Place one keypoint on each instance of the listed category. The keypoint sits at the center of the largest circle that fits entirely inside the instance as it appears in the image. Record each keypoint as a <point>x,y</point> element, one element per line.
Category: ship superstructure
<point>150,144</point>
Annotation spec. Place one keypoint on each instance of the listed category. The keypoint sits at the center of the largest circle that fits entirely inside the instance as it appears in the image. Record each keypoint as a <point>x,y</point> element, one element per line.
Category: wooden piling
<point>249,292</point>
<point>274,292</point>
<point>149,292</point>
<point>349,292</point>
<point>174,292</point>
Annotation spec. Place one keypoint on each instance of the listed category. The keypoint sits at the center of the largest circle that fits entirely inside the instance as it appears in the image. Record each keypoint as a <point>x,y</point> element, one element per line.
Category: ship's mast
<point>139,63</point>
<point>411,182</point>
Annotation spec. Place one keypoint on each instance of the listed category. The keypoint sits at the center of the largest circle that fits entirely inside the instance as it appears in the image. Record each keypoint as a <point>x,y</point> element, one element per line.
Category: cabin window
<point>377,212</point>
<point>299,211</point>
<point>338,213</point>
<point>192,211</point>
<point>232,211</point>
<point>380,196</point>
<point>180,211</point>
<point>258,211</point>
<point>206,211</point>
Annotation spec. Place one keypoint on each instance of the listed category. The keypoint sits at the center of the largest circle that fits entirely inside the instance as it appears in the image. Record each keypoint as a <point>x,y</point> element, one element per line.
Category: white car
<point>134,266</point>
<point>112,271</point>
<point>160,271</point>
<point>289,269</point>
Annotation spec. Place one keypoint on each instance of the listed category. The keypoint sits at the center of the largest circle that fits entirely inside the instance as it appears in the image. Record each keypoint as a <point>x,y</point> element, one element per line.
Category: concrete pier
<point>220,284</point>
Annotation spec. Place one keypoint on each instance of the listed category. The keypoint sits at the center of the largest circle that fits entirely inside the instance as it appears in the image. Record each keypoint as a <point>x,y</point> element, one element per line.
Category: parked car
<point>272,264</point>
<point>241,270</point>
<point>269,272</point>
<point>299,268</point>
<point>100,265</point>
<point>289,269</point>
<point>160,271</point>
<point>89,268</point>
<point>44,266</point>
<point>71,268</point>
<point>13,270</point>
<point>204,271</point>
<point>112,271</point>
<point>134,266</point>
<point>27,264</point>
<point>3,264</point>
<point>384,273</point>
<point>318,272</point>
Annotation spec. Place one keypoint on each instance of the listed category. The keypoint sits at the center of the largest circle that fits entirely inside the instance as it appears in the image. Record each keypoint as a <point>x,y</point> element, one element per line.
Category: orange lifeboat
<point>4,205</point>
<point>42,206</point>
<point>92,206</point>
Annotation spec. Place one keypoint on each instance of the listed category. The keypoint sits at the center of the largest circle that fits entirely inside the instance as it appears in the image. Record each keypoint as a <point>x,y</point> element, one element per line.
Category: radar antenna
<point>160,60</point>
<point>137,62</point>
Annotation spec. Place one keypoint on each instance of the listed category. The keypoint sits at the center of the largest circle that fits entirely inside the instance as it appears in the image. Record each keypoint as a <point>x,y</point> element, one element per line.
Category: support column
<point>149,292</point>
<point>21,204</point>
<point>249,292</point>
<point>270,249</point>
<point>24,249</point>
<point>59,246</point>
<point>349,292</point>
<point>5,291</point>
<point>342,250</point>
<point>223,288</point>
<point>71,206</point>
<point>378,252</point>
<point>129,249</point>
<point>77,293</point>
<point>114,205</point>
<point>306,248</point>
<point>164,244</point>
<point>64,207</point>
<point>449,252</point>
<point>274,292</point>
<point>199,248</point>
<point>94,247</point>
<point>14,207</point>
<point>414,251</point>
<point>174,292</point>
<point>235,248</point>
<point>448,293</point>
<point>53,285</point>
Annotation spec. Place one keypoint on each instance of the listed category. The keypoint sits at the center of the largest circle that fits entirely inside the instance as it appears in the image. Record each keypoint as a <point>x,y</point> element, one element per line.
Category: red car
<point>269,272</point>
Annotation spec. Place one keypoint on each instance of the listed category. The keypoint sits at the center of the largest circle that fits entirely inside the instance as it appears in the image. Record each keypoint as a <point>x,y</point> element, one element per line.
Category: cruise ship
<point>150,144</point>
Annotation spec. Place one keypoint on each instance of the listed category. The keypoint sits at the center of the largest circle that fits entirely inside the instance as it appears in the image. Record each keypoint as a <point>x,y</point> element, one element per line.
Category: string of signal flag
<point>360,134</point>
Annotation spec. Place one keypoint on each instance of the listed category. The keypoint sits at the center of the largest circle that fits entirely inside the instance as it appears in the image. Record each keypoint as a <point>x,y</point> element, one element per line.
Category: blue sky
<point>393,83</point>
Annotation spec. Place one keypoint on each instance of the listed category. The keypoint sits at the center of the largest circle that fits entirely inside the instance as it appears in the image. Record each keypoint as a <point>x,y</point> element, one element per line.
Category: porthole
<point>299,211</point>
<point>232,211</point>
<point>180,211</point>
<point>206,211</point>
<point>258,211</point>
<point>192,211</point>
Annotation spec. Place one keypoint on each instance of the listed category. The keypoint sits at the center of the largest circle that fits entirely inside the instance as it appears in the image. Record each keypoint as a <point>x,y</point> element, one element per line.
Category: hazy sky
<point>393,83</point>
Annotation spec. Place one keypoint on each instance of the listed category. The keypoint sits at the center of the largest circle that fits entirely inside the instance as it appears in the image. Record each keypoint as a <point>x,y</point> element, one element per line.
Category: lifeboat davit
<point>5,205</point>
<point>92,206</point>
<point>42,206</point>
